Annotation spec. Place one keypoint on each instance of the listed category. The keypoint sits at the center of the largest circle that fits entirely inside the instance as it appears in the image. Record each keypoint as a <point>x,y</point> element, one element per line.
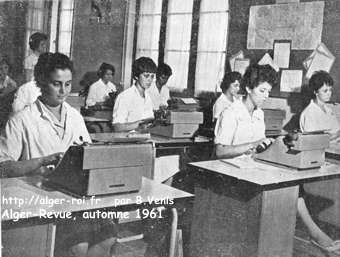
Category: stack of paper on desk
<point>320,59</point>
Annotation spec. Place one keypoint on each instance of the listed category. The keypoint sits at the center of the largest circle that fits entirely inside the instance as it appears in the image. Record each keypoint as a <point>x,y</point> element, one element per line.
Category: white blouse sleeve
<point>225,128</point>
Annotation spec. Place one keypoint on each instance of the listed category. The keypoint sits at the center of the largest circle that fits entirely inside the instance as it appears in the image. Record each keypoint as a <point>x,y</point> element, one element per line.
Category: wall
<point>96,42</point>
<point>239,18</point>
<point>12,35</point>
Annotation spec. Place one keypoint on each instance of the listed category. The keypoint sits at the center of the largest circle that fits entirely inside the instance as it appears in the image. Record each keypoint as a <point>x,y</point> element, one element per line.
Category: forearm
<point>230,151</point>
<point>20,168</point>
<point>335,136</point>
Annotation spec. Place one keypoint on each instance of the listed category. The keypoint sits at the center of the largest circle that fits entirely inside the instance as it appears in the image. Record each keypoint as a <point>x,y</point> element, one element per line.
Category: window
<point>36,21</point>
<point>55,20</point>
<point>65,27</point>
<point>61,26</point>
<point>177,43</point>
<point>211,46</point>
<point>194,41</point>
<point>149,23</point>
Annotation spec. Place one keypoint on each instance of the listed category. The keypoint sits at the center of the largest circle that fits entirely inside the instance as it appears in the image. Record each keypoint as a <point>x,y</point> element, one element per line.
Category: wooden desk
<point>33,236</point>
<point>248,211</point>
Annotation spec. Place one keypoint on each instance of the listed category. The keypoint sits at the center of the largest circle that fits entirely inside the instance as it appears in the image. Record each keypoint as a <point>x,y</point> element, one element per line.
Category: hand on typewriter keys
<point>289,139</point>
<point>52,159</point>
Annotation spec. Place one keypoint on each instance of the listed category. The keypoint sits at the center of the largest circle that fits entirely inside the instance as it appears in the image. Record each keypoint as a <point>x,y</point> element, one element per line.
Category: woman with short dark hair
<point>100,90</point>
<point>38,44</point>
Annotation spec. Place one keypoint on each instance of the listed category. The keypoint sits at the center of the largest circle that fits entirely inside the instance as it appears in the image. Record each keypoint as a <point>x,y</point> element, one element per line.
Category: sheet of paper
<point>300,22</point>
<point>320,62</point>
<point>232,59</point>
<point>166,167</point>
<point>282,54</point>
<point>241,65</point>
<point>189,100</point>
<point>291,81</point>
<point>266,59</point>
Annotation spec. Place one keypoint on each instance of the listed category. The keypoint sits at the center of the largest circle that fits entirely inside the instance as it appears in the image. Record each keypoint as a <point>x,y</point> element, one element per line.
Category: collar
<point>327,109</point>
<point>243,111</point>
<point>47,114</point>
<point>137,92</point>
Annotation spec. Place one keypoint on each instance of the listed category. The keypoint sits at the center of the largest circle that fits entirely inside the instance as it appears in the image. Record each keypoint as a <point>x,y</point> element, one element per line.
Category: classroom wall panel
<point>239,18</point>
<point>98,35</point>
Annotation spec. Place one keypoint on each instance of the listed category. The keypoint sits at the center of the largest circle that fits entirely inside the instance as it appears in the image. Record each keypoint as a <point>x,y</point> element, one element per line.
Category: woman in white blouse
<point>230,87</point>
<point>100,90</point>
<point>240,129</point>
<point>317,115</point>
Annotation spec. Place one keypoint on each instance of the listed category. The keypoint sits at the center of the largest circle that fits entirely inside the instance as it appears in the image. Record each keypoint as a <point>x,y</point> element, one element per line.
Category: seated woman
<point>37,137</point>
<point>317,115</point>
<point>38,44</point>
<point>159,91</point>
<point>230,87</point>
<point>240,129</point>
<point>100,90</point>
<point>133,106</point>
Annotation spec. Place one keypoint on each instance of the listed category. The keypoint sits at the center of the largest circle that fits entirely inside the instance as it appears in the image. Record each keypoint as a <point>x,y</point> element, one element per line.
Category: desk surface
<point>34,197</point>
<point>158,140</point>
<point>264,174</point>
<point>94,119</point>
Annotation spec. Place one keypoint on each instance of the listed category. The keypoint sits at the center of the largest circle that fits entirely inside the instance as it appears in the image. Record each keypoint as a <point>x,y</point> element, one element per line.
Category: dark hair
<point>257,74</point>
<point>49,62</point>
<point>318,79</point>
<point>164,69</point>
<point>229,78</point>
<point>143,64</point>
<point>35,40</point>
<point>105,67</point>
<point>5,61</point>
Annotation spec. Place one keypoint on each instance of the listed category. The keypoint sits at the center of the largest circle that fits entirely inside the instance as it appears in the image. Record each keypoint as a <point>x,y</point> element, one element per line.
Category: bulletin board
<point>238,32</point>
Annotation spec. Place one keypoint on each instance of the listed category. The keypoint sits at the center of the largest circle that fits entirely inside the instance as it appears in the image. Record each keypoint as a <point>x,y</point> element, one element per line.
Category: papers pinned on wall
<point>282,53</point>
<point>291,81</point>
<point>320,59</point>
<point>232,59</point>
<point>266,59</point>
<point>241,65</point>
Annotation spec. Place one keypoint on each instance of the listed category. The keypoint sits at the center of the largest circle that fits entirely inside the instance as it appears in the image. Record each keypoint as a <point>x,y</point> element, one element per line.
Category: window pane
<point>148,53</point>
<point>67,4</point>
<point>151,7</point>
<point>37,20</point>
<point>212,44</point>
<point>148,29</point>
<point>39,4</point>
<point>209,71</point>
<point>148,32</point>
<point>65,21</point>
<point>218,5</point>
<point>64,42</point>
<point>213,29</point>
<point>178,32</point>
<point>179,6</point>
<point>178,62</point>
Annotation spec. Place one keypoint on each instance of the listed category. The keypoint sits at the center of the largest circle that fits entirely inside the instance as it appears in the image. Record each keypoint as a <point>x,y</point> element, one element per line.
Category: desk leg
<point>29,241</point>
<point>243,222</point>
